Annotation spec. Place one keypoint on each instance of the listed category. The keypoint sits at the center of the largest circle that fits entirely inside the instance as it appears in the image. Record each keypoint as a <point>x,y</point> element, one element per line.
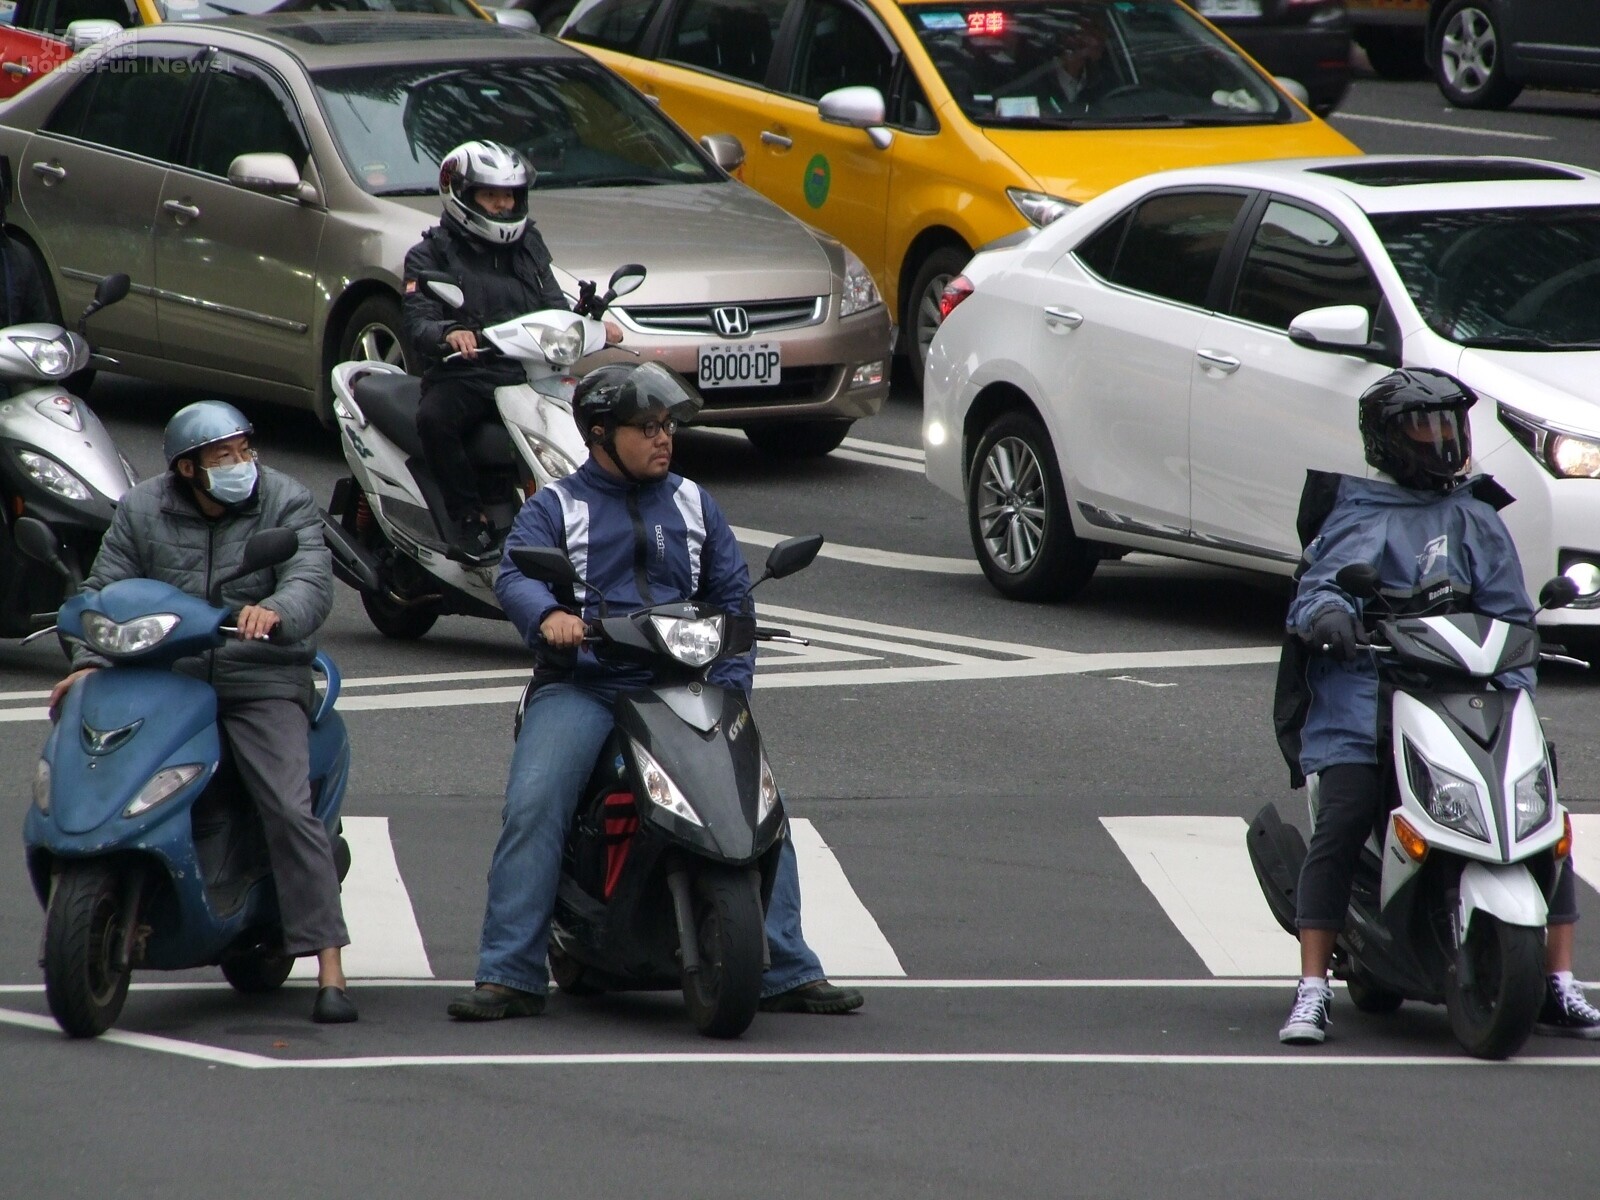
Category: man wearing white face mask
<point>186,528</point>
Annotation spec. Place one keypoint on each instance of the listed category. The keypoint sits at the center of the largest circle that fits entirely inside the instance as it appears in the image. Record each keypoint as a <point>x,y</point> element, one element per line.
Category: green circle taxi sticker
<point>817,179</point>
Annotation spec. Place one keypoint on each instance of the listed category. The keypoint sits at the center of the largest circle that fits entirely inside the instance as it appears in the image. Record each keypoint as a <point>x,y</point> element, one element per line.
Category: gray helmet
<point>201,424</point>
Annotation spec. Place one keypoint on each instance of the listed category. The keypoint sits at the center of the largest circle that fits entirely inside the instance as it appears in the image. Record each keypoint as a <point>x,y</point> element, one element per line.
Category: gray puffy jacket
<point>159,533</point>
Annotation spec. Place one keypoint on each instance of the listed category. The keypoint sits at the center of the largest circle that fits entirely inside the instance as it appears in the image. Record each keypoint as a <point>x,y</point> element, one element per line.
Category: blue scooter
<point>141,843</point>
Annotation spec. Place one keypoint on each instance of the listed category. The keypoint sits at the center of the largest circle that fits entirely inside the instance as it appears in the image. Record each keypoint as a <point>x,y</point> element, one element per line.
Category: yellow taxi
<point>917,132</point>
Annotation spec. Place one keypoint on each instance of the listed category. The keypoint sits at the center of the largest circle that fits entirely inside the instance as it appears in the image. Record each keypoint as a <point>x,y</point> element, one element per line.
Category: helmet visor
<point>653,389</point>
<point>486,198</point>
<point>1435,441</point>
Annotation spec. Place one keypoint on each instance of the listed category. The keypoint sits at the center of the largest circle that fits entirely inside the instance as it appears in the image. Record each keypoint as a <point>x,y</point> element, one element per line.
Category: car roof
<point>321,40</point>
<point>1380,183</point>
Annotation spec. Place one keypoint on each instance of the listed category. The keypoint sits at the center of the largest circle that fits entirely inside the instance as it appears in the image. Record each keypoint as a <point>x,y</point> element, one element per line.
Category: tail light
<point>957,290</point>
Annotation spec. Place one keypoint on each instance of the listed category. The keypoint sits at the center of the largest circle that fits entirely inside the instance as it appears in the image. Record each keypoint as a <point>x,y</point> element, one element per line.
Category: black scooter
<point>670,860</point>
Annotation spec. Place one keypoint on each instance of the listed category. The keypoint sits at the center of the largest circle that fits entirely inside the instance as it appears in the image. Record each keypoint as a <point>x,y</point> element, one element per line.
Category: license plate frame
<point>739,364</point>
<point>1228,8</point>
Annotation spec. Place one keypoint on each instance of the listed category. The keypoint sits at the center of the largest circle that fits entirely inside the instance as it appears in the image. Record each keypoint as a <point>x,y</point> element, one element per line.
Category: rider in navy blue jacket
<point>1438,546</point>
<point>638,535</point>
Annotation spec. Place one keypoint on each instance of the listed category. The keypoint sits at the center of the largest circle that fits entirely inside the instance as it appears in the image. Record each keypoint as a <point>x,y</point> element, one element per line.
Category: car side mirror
<point>271,174</point>
<point>1359,580</point>
<point>629,277</point>
<point>725,150</point>
<point>545,563</point>
<point>516,18</point>
<point>1294,87</point>
<point>86,32</point>
<point>791,555</point>
<point>268,548</point>
<point>858,107</point>
<point>1342,329</point>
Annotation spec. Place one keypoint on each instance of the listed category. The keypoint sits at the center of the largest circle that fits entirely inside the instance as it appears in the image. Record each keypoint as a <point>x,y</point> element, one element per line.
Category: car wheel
<point>1017,515</point>
<point>373,334</point>
<point>921,320</point>
<point>1395,53</point>
<point>797,439</point>
<point>1468,58</point>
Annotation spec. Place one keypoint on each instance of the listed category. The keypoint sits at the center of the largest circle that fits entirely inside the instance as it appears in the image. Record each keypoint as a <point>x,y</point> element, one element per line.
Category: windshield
<point>575,123</point>
<point>1509,278</point>
<point>209,10</point>
<point>1092,63</point>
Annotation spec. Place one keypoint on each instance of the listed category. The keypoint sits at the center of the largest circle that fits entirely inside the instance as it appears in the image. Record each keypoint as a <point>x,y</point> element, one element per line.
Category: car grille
<point>797,384</point>
<point>765,316</point>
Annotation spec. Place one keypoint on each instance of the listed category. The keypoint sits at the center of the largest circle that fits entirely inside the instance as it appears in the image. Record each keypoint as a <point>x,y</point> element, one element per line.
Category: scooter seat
<point>390,402</point>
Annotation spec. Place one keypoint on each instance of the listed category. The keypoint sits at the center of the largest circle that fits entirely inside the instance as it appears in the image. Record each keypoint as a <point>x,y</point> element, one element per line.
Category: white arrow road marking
<point>385,942</point>
<point>1586,847</point>
<point>1199,870</point>
<point>867,556</point>
<point>836,924</point>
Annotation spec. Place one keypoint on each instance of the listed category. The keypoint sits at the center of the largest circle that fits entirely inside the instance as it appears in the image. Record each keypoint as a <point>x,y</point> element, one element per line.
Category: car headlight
<point>51,357</point>
<point>1450,800</point>
<point>162,785</point>
<point>560,347</point>
<point>693,641</point>
<point>659,787</point>
<point>859,292</point>
<point>41,786</point>
<point>768,798</point>
<point>52,476</point>
<point>1039,207</point>
<point>128,637</point>
<point>1564,453</point>
<point>1532,799</point>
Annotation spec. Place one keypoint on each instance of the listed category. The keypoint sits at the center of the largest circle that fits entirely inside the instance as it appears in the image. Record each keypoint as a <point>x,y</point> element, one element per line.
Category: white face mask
<point>232,484</point>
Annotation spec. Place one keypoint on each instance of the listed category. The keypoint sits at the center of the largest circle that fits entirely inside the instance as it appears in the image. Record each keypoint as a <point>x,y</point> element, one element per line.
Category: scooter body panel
<point>1508,893</point>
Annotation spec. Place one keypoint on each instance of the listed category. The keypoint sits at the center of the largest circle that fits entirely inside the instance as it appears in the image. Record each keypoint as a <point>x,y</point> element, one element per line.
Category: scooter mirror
<point>110,289</point>
<point>1558,592</point>
<point>36,540</point>
<point>546,564</point>
<point>265,549</point>
<point>626,278</point>
<point>1359,580</point>
<point>448,292</point>
<point>792,554</point>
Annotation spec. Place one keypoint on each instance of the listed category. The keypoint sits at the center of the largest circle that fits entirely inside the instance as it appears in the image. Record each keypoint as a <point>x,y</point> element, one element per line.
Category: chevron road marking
<point>837,925</point>
<point>385,942</point>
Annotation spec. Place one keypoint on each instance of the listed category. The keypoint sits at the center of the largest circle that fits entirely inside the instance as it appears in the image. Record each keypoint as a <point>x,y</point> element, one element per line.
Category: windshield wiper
<point>407,191</point>
<point>617,181</point>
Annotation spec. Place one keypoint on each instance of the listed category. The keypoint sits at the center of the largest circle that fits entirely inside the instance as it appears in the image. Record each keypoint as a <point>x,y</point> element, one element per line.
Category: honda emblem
<point>731,321</point>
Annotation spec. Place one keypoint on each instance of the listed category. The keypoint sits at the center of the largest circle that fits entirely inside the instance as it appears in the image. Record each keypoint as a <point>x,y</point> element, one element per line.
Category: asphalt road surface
<point>1021,831</point>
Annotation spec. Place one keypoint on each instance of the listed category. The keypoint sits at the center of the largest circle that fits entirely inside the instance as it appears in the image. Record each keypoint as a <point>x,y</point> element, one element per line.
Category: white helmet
<point>474,165</point>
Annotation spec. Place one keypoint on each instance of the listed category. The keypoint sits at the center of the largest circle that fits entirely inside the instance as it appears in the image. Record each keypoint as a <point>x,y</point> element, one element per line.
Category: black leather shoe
<point>495,1004</point>
<point>333,1007</point>
<point>819,998</point>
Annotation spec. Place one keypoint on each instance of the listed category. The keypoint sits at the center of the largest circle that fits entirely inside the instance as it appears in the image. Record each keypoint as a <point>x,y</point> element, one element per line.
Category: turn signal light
<point>1564,846</point>
<point>1412,842</point>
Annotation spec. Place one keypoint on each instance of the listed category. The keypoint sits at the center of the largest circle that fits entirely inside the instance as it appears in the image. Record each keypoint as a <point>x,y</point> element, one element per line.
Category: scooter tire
<point>1368,997</point>
<point>571,976</point>
<point>1493,1017</point>
<point>722,996</point>
<point>397,621</point>
<point>257,971</point>
<point>84,989</point>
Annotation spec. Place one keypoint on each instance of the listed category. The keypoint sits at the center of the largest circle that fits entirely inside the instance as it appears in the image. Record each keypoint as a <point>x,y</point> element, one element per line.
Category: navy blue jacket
<point>666,538</point>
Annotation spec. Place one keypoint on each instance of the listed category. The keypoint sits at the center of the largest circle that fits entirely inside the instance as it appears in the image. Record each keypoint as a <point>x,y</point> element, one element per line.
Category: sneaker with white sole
<point>1308,1020</point>
<point>1567,1011</point>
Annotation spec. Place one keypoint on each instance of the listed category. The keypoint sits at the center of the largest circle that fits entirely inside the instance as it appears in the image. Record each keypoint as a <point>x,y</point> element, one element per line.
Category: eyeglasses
<point>226,456</point>
<point>651,429</point>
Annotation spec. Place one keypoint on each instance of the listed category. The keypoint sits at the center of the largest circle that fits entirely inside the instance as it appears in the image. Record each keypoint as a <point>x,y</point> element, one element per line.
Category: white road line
<point>878,460</point>
<point>866,556</point>
<point>1439,125</point>
<point>888,449</point>
<point>1199,870</point>
<point>1586,847</point>
<point>837,925</point>
<point>385,941</point>
<point>880,454</point>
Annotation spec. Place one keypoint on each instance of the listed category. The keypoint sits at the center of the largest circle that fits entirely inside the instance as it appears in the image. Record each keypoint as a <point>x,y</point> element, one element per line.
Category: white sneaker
<point>1308,1019</point>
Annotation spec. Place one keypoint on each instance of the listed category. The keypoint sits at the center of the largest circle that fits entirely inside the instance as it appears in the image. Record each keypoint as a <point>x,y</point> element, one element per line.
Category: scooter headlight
<point>41,786</point>
<point>693,641</point>
<point>1450,800</point>
<point>52,476</point>
<point>561,347</point>
<point>659,787</point>
<point>1532,800</point>
<point>126,637</point>
<point>556,464</point>
<point>162,785</point>
<point>768,800</point>
<point>51,357</point>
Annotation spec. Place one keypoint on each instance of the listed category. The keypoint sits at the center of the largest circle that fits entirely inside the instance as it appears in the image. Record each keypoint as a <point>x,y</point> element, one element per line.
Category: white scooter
<point>387,519</point>
<point>1451,892</point>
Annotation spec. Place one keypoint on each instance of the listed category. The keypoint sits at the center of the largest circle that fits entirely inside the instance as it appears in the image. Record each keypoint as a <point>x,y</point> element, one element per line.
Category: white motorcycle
<point>1451,892</point>
<point>387,520</point>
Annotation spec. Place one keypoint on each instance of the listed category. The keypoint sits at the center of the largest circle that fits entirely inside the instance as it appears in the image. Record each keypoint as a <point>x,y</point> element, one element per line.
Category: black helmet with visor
<point>629,394</point>
<point>1414,428</point>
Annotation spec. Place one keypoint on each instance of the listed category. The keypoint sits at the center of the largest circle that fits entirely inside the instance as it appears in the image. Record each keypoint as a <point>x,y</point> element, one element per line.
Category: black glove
<point>1336,633</point>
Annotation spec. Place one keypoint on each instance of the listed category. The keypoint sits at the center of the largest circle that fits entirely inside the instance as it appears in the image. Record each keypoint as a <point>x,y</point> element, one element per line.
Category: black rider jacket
<point>500,282</point>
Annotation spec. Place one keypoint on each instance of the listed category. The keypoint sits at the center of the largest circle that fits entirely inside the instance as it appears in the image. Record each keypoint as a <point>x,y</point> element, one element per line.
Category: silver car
<point>262,179</point>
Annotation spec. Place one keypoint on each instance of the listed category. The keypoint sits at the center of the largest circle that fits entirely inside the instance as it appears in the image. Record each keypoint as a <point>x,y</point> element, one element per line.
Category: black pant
<point>1348,799</point>
<point>449,411</point>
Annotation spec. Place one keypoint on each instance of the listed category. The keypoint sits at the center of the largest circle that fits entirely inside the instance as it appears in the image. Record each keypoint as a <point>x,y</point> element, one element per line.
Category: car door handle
<point>1059,318</point>
<point>49,172</point>
<point>1216,360</point>
<point>20,70</point>
<point>184,212</point>
<point>776,139</point>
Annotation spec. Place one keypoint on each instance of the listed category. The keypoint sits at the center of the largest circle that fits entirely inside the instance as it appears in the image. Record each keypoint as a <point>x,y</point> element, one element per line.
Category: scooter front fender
<point>1508,893</point>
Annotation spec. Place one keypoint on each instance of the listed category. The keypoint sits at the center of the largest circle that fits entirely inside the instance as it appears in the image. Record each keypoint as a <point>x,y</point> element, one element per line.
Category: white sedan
<point>1158,369</point>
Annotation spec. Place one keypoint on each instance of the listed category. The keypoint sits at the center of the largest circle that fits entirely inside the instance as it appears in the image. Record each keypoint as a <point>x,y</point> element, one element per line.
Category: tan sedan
<point>261,180</point>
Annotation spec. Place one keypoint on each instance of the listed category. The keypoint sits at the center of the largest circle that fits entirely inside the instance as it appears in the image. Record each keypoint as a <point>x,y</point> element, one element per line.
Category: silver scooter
<point>57,464</point>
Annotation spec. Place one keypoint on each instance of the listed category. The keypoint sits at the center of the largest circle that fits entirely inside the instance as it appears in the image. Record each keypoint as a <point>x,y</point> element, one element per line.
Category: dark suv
<point>1304,40</point>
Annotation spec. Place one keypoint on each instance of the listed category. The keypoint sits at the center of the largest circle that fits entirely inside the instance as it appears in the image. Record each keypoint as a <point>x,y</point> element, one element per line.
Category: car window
<point>576,122</point>
<point>838,47</point>
<point>242,111</point>
<point>726,37</point>
<point>53,16</point>
<point>1173,243</point>
<point>131,102</point>
<point>1098,251</point>
<point>909,107</point>
<point>611,24</point>
<point>1297,261</point>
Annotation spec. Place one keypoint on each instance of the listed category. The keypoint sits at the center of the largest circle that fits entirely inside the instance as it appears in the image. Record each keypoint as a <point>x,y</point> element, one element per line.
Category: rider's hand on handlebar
<point>1336,633</point>
<point>58,693</point>
<point>463,342</point>
<point>563,630</point>
<point>256,623</point>
<point>613,333</point>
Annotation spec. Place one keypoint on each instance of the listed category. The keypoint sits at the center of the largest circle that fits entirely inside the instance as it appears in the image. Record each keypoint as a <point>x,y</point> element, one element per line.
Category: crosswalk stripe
<point>385,942</point>
<point>1586,848</point>
<point>837,925</point>
<point>1199,871</point>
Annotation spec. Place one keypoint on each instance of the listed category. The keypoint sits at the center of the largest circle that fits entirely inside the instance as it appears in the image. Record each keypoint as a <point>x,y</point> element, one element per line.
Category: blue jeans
<point>562,732</point>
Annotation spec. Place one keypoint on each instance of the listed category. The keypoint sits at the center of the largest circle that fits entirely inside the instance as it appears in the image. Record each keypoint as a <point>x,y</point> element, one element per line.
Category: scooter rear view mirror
<point>111,288</point>
<point>1359,580</point>
<point>445,289</point>
<point>791,555</point>
<point>626,278</point>
<point>265,549</point>
<point>1558,592</point>
<point>36,540</point>
<point>546,564</point>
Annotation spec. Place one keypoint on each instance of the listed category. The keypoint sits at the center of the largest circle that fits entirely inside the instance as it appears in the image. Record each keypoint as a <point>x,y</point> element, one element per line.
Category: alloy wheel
<point>1011,511</point>
<point>1469,50</point>
<point>378,343</point>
